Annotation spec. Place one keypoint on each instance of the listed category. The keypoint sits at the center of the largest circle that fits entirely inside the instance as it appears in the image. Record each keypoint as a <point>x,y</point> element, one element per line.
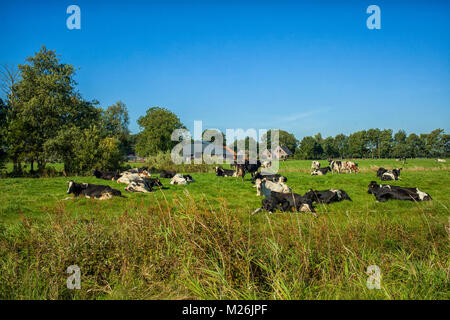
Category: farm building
<point>280,152</point>
<point>196,150</point>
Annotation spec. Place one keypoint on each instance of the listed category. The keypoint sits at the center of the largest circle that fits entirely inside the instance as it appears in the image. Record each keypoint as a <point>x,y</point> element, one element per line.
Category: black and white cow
<point>335,165</point>
<point>321,171</point>
<point>383,193</point>
<point>286,202</point>
<point>106,175</point>
<point>221,172</point>
<point>92,190</point>
<point>269,177</point>
<point>315,165</point>
<point>181,179</point>
<point>327,196</point>
<point>153,182</point>
<point>252,168</point>
<point>387,175</point>
<point>167,174</point>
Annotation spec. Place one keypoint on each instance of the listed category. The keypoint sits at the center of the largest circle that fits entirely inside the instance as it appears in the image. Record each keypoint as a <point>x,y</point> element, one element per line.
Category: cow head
<point>373,187</point>
<point>71,185</point>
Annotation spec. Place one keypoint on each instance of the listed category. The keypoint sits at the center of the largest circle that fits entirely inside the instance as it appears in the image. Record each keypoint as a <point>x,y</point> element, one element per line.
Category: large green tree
<point>156,130</point>
<point>46,102</point>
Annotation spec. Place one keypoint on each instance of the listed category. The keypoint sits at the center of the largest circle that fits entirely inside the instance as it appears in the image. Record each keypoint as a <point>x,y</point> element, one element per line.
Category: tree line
<point>45,119</point>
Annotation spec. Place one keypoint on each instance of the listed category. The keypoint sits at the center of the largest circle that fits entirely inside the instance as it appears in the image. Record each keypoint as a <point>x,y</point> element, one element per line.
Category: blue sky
<point>300,66</point>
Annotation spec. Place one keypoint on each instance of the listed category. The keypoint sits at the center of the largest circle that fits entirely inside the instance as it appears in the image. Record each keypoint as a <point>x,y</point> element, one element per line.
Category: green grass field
<point>200,242</point>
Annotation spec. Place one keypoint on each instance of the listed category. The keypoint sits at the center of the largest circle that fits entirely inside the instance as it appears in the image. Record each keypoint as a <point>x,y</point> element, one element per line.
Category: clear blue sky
<point>303,66</point>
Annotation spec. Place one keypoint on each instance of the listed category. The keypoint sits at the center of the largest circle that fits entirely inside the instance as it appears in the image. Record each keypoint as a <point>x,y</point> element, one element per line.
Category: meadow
<point>200,241</point>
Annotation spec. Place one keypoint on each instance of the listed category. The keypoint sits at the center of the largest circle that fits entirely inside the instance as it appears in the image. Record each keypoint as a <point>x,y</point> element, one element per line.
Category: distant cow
<point>269,177</point>
<point>387,175</point>
<point>285,202</point>
<point>336,166</point>
<point>350,166</point>
<point>95,191</point>
<point>327,196</point>
<point>321,171</point>
<point>264,187</point>
<point>252,168</point>
<point>221,172</point>
<point>315,165</point>
<point>167,174</point>
<point>441,160</point>
<point>106,175</point>
<point>383,193</point>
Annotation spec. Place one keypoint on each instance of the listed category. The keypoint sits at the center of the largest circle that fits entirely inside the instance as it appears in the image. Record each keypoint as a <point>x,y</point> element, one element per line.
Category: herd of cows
<point>278,196</point>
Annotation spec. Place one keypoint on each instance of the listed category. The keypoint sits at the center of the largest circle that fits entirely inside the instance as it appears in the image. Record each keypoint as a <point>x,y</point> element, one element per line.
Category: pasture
<point>200,242</point>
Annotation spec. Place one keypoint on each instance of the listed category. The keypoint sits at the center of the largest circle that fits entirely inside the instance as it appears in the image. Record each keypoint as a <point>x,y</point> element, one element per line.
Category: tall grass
<point>183,247</point>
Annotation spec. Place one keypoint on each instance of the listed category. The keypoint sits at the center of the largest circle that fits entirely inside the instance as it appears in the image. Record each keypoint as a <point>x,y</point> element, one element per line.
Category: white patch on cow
<point>70,186</point>
<point>105,196</point>
<point>137,187</point>
<point>265,187</point>
<point>389,174</point>
<point>421,194</point>
<point>179,179</point>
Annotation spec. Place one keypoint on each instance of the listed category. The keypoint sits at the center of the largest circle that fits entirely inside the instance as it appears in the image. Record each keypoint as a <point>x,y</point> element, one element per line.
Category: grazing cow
<point>387,175</point>
<point>336,166</point>
<point>327,196</point>
<point>92,190</point>
<point>167,174</point>
<point>286,202</point>
<point>269,177</point>
<point>315,165</point>
<point>383,193</point>
<point>266,164</point>
<point>441,160</point>
<point>221,172</point>
<point>264,187</point>
<point>179,179</point>
<point>350,166</point>
<point>321,171</point>
<point>106,175</point>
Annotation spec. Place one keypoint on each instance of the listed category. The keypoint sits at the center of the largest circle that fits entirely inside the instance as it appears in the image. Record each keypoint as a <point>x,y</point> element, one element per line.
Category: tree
<point>415,146</point>
<point>358,144</point>
<point>341,144</point>
<point>3,132</point>
<point>373,142</point>
<point>45,102</point>
<point>400,148</point>
<point>385,144</point>
<point>329,148</point>
<point>115,122</point>
<point>285,139</point>
<point>156,130</point>
<point>309,149</point>
<point>433,143</point>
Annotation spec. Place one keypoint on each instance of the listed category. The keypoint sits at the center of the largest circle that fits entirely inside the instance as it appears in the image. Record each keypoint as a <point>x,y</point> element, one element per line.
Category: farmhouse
<point>197,149</point>
<point>280,152</point>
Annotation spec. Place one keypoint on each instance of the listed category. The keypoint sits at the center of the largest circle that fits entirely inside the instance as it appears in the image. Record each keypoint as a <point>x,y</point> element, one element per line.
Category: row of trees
<point>44,118</point>
<point>375,143</point>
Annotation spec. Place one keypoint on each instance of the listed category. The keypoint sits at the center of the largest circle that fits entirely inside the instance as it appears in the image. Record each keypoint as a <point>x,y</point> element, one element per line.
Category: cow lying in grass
<point>387,175</point>
<point>106,175</point>
<point>135,182</point>
<point>264,187</point>
<point>383,193</point>
<point>92,190</point>
<point>269,177</point>
<point>327,196</point>
<point>181,179</point>
<point>321,171</point>
<point>285,202</point>
<point>167,174</point>
<point>221,172</point>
